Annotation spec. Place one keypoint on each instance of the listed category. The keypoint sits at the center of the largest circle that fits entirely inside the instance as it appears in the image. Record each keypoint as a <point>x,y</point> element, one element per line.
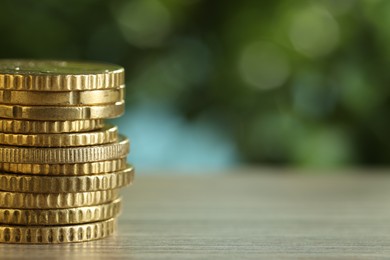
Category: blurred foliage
<point>291,82</point>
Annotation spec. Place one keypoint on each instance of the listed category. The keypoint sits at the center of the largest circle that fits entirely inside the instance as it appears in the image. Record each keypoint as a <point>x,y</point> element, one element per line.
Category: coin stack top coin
<point>61,166</point>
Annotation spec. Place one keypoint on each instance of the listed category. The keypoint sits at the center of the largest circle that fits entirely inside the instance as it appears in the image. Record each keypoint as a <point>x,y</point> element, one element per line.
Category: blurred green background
<point>219,84</point>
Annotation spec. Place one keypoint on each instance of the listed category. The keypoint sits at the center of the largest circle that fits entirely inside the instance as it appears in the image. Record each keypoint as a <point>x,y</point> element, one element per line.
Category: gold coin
<point>55,217</point>
<point>66,169</point>
<point>45,75</point>
<point>72,155</point>
<point>68,98</point>
<point>65,184</point>
<point>48,113</point>
<point>107,134</point>
<point>49,127</point>
<point>19,200</point>
<point>56,234</point>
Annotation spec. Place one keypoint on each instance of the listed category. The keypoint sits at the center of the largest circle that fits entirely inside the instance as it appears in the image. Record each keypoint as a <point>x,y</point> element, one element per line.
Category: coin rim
<point>51,217</point>
<point>66,184</point>
<point>62,113</point>
<point>8,125</point>
<point>62,81</point>
<point>21,200</point>
<point>67,98</point>
<point>63,234</point>
<point>105,135</point>
<point>76,169</point>
<point>66,155</point>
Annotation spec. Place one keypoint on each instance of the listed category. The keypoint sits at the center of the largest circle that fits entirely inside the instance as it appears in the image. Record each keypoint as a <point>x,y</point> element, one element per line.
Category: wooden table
<point>258,214</point>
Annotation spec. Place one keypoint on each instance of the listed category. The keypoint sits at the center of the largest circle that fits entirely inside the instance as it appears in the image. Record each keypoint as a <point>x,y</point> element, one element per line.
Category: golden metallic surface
<point>55,217</point>
<point>49,127</point>
<point>71,155</point>
<point>18,200</point>
<point>56,234</point>
<point>68,98</point>
<point>107,134</point>
<point>75,169</point>
<point>65,184</point>
<point>46,75</point>
<point>48,113</point>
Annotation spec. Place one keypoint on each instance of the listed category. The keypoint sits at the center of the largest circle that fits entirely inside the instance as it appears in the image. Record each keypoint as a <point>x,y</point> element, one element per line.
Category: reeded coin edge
<point>20,200</point>
<point>107,134</point>
<point>64,82</point>
<point>56,234</point>
<point>53,217</point>
<point>65,155</point>
<point>28,126</point>
<point>65,184</point>
<point>76,169</point>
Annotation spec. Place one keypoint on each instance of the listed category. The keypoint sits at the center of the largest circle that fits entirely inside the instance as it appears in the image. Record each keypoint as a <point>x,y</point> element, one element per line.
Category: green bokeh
<point>293,82</point>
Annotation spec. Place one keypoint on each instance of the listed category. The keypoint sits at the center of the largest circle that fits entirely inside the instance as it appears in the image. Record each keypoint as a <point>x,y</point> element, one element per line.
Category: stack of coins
<point>60,165</point>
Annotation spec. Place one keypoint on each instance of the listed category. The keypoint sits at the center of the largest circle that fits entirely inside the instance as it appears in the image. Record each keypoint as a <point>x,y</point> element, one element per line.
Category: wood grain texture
<point>242,216</point>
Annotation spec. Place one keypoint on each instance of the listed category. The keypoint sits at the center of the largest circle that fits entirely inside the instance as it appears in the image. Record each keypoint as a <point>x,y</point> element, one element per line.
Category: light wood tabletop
<point>257,214</point>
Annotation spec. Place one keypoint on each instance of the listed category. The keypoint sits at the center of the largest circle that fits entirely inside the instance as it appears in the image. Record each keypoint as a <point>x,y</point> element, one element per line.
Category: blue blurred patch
<point>162,139</point>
